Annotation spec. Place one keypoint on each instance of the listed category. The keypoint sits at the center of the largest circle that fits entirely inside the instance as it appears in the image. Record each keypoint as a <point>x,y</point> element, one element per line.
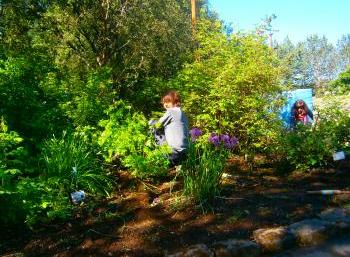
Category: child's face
<point>168,105</point>
<point>301,111</point>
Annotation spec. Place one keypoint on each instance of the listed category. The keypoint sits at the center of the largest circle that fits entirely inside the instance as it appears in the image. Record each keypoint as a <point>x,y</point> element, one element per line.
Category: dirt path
<point>132,223</point>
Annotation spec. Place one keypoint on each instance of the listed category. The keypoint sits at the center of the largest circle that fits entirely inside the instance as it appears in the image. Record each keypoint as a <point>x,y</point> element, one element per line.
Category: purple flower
<point>223,139</point>
<point>195,133</point>
<point>234,141</point>
<point>226,140</point>
<point>214,139</point>
<point>231,143</point>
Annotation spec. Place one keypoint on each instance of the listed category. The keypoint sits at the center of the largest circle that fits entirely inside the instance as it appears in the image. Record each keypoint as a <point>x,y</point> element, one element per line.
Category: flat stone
<point>341,249</point>
<point>236,248</point>
<point>336,214</point>
<point>199,250</point>
<point>13,255</point>
<point>339,216</point>
<point>311,231</point>
<point>336,247</point>
<point>303,253</point>
<point>274,239</point>
<point>342,198</point>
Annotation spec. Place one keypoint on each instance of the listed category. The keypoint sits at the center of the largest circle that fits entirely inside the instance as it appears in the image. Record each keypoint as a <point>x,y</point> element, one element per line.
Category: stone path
<point>339,247</point>
<point>323,236</point>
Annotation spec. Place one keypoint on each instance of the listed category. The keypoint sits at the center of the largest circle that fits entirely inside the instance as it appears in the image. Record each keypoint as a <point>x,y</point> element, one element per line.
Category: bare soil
<point>152,219</point>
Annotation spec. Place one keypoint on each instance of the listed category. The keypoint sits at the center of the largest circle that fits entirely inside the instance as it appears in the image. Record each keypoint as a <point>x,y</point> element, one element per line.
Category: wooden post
<point>193,10</point>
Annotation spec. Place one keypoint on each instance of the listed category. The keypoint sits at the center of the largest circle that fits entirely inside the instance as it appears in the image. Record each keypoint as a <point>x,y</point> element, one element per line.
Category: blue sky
<point>295,18</point>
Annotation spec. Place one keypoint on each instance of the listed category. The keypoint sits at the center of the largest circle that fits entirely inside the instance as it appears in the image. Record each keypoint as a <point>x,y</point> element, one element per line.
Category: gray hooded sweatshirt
<point>175,128</point>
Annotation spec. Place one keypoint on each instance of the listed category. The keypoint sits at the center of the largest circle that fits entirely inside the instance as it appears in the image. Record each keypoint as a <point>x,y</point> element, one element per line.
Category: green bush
<point>341,85</point>
<point>126,137</point>
<point>43,201</point>
<point>313,146</point>
<point>12,156</point>
<point>305,147</point>
<point>85,98</point>
<point>28,108</point>
<point>233,86</point>
<point>68,165</point>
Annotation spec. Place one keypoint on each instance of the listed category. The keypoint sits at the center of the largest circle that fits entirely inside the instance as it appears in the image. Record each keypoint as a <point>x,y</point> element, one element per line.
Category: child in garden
<point>301,113</point>
<point>175,125</point>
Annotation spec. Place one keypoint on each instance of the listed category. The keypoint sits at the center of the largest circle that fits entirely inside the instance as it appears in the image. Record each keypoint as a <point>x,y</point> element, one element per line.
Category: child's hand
<point>152,122</point>
<point>155,124</point>
<point>158,125</point>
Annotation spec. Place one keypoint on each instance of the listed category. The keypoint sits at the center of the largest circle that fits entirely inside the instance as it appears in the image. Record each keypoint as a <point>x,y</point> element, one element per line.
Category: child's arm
<point>164,120</point>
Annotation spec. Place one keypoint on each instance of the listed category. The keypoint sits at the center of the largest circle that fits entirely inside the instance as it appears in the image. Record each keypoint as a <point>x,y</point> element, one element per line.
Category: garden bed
<point>152,219</point>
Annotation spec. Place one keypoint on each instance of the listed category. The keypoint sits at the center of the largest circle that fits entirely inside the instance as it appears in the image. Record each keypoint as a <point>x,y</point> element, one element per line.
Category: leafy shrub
<point>43,201</point>
<point>85,99</point>
<point>313,146</point>
<point>304,148</point>
<point>335,125</point>
<point>12,156</point>
<point>232,86</point>
<point>341,85</point>
<point>30,111</point>
<point>69,164</point>
<point>126,136</point>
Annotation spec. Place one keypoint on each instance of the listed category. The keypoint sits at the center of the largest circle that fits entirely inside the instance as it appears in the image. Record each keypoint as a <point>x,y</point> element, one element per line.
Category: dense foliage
<point>127,138</point>
<point>342,84</point>
<point>310,146</point>
<point>233,86</point>
<point>12,165</point>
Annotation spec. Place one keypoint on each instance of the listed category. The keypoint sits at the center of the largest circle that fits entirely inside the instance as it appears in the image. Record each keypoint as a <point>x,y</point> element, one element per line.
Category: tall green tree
<point>297,73</point>
<point>92,52</point>
<point>17,19</point>
<point>312,63</point>
<point>134,38</point>
<point>320,56</point>
<point>343,46</point>
<point>105,50</point>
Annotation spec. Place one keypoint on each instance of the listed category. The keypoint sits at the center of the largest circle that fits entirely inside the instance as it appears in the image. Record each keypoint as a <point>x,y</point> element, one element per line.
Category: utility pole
<point>266,27</point>
<point>193,10</point>
<point>270,39</point>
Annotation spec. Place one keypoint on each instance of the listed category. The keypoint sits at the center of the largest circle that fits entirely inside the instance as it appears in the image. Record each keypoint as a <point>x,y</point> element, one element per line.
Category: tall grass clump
<point>70,165</point>
<point>205,164</point>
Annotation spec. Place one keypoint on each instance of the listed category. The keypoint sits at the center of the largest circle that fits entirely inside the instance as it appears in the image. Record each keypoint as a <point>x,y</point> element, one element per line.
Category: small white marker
<point>339,156</point>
